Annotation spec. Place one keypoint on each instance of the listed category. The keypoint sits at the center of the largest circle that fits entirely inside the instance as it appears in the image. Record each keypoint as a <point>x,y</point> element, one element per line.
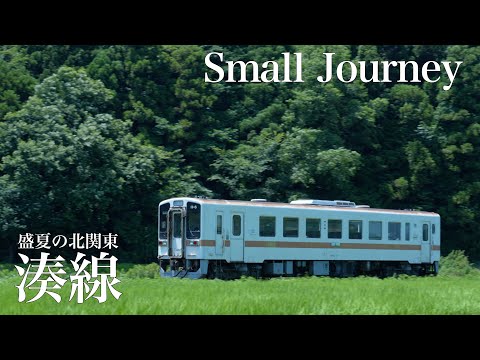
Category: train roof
<point>263,203</point>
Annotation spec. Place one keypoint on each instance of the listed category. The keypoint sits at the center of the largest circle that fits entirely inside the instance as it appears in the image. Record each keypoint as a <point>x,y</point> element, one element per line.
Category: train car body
<point>229,238</point>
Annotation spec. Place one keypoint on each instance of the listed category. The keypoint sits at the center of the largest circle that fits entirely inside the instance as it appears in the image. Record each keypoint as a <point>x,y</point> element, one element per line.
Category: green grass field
<point>308,295</point>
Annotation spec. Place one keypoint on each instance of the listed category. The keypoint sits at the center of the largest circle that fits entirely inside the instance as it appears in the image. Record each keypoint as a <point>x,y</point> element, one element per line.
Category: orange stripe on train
<point>320,245</point>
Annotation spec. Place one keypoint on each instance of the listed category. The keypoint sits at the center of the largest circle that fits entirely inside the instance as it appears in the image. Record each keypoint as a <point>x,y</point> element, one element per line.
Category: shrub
<point>143,271</point>
<point>122,268</point>
<point>456,264</point>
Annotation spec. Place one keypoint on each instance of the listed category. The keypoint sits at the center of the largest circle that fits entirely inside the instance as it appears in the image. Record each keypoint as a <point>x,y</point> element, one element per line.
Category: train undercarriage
<point>220,269</point>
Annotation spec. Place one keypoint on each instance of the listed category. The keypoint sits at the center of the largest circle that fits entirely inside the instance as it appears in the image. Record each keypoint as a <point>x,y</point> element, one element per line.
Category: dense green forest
<point>93,137</point>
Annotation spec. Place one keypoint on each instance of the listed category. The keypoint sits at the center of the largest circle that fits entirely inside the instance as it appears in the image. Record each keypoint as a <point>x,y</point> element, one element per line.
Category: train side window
<point>433,228</point>
<point>407,231</point>
<point>219,224</point>
<point>313,228</point>
<point>375,230</point>
<point>290,227</point>
<point>237,225</point>
<point>394,231</point>
<point>334,229</point>
<point>355,229</point>
<point>267,225</point>
<point>425,232</point>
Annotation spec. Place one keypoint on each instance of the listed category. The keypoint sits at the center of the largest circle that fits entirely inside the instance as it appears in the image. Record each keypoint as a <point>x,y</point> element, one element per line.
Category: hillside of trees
<point>93,137</point>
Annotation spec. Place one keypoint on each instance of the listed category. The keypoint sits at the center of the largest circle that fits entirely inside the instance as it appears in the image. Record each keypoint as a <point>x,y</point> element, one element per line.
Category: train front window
<point>177,225</point>
<point>162,220</point>
<point>193,220</point>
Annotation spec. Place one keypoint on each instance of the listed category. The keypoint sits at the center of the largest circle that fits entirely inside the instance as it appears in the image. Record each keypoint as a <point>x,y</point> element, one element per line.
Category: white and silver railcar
<point>229,238</point>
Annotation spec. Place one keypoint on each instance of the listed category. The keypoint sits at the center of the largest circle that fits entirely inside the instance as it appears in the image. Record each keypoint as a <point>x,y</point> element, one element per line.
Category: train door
<point>219,233</point>
<point>236,239</point>
<point>426,242</point>
<point>175,233</point>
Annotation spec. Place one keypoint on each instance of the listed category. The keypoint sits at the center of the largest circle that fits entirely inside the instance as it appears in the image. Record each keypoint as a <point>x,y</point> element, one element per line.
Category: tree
<point>70,167</point>
<point>458,116</point>
<point>16,83</point>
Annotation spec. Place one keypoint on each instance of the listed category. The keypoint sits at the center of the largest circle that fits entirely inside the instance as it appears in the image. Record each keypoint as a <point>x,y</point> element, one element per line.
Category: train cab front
<point>179,239</point>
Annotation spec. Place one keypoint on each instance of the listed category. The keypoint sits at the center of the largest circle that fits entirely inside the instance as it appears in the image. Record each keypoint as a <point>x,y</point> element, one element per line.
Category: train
<point>227,239</point>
